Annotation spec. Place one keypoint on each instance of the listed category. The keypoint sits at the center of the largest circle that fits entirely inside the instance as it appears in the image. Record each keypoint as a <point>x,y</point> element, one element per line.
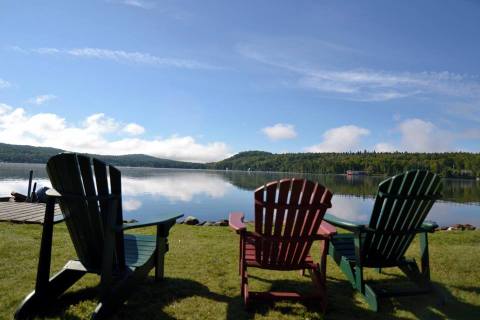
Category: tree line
<point>451,164</point>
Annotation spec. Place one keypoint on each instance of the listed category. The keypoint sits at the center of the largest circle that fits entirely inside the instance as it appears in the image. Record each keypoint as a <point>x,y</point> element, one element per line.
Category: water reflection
<point>176,186</point>
<point>211,195</point>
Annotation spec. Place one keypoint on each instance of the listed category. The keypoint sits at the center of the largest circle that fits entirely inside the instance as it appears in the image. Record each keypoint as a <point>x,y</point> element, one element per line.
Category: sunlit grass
<point>202,280</point>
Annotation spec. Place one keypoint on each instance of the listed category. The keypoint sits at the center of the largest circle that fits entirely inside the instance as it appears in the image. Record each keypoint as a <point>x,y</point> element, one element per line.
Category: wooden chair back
<point>85,203</point>
<point>288,214</point>
<point>400,208</point>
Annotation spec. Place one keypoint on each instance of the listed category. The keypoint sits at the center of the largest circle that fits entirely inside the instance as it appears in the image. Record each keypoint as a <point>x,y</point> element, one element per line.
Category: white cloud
<point>142,4</point>
<point>41,99</point>
<point>367,84</point>
<point>131,204</point>
<point>93,135</point>
<point>139,4</point>
<point>44,50</point>
<point>280,131</point>
<point>134,129</point>
<point>384,147</point>
<point>417,135</point>
<point>423,136</point>
<point>4,84</point>
<point>125,57</point>
<point>341,139</point>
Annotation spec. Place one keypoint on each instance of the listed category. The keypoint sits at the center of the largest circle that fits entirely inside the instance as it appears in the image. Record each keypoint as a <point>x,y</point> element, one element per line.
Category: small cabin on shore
<point>356,173</point>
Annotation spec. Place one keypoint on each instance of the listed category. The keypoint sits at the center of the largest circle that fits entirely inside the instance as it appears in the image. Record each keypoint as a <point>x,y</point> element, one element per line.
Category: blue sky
<point>201,80</point>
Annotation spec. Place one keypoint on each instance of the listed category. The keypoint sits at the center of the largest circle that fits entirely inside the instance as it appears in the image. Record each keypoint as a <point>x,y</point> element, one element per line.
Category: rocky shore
<point>457,226</point>
<point>193,221</point>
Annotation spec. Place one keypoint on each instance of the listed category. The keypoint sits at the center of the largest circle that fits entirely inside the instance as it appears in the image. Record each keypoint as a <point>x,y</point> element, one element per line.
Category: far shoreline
<point>250,171</point>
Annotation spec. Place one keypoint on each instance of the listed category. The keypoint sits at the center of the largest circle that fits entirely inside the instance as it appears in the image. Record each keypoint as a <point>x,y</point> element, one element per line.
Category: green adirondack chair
<point>93,215</point>
<point>399,213</point>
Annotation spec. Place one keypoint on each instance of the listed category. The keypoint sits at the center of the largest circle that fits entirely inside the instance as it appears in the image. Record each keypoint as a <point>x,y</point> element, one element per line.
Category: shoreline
<point>255,172</point>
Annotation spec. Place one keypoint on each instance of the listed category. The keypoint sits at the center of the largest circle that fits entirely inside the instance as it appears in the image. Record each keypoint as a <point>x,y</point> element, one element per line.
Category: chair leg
<point>371,297</point>
<point>57,285</point>
<point>240,255</point>
<point>244,285</point>
<point>413,273</point>
<point>162,248</point>
<point>425,260</point>
<point>318,280</point>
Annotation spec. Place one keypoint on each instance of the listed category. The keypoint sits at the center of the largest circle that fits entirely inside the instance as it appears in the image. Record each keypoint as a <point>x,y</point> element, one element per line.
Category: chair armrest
<point>326,229</point>
<point>53,193</point>
<point>235,221</point>
<point>428,226</point>
<point>146,223</point>
<point>344,224</point>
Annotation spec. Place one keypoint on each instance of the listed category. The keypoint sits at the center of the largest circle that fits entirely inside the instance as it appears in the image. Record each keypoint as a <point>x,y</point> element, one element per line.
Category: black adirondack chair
<point>90,201</point>
<point>399,213</point>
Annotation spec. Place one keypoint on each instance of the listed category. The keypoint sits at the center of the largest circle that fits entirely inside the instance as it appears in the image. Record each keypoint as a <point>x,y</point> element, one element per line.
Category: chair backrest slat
<point>92,215</point>
<point>312,221</point>
<point>301,216</point>
<point>72,176</point>
<point>116,189</point>
<point>291,210</point>
<point>401,206</point>
<point>100,170</point>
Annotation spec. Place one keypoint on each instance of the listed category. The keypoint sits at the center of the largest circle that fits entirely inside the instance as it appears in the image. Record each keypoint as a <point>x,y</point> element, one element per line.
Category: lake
<point>211,195</point>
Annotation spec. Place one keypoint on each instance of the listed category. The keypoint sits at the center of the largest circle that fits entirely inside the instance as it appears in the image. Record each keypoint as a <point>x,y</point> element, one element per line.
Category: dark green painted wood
<point>45,249</point>
<point>93,216</point>
<point>398,214</point>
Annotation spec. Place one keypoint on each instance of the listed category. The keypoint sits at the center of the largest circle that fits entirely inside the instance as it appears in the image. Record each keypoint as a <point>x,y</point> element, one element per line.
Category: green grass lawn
<point>202,280</point>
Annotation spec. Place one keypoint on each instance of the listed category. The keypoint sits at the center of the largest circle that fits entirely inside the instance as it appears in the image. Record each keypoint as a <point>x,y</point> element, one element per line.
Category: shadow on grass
<point>150,300</point>
<point>346,303</point>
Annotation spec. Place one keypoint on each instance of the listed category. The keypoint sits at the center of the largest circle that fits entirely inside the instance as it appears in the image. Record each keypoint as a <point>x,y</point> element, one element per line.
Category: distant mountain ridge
<point>31,154</point>
<point>448,164</point>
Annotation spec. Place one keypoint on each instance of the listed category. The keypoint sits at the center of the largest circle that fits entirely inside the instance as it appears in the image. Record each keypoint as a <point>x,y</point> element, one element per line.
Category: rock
<point>469,227</point>
<point>201,223</point>
<point>191,220</point>
<point>208,224</point>
<point>130,221</point>
<point>221,223</point>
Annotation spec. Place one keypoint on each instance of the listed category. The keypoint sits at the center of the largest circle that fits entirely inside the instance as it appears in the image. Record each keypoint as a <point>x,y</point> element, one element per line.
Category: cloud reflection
<point>350,208</point>
<point>177,186</point>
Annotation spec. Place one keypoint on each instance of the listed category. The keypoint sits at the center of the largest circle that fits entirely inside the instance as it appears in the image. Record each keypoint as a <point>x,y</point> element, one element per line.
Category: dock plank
<point>26,212</point>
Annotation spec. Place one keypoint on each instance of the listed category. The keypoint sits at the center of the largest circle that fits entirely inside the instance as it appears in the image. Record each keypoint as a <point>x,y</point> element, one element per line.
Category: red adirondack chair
<point>288,219</point>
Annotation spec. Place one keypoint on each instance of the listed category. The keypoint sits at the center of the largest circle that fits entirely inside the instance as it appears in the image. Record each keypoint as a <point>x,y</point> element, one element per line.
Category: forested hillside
<point>455,164</point>
<point>29,154</point>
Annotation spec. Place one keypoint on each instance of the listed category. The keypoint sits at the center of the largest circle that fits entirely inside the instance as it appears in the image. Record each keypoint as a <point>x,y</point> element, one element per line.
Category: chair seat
<point>344,245</point>
<point>250,259</point>
<point>138,249</point>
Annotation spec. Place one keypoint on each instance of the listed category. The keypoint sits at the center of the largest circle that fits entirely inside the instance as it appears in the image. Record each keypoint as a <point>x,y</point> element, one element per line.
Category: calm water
<point>211,195</point>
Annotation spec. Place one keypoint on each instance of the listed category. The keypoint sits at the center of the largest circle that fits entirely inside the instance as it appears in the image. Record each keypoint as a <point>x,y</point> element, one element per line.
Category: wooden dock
<point>26,212</point>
